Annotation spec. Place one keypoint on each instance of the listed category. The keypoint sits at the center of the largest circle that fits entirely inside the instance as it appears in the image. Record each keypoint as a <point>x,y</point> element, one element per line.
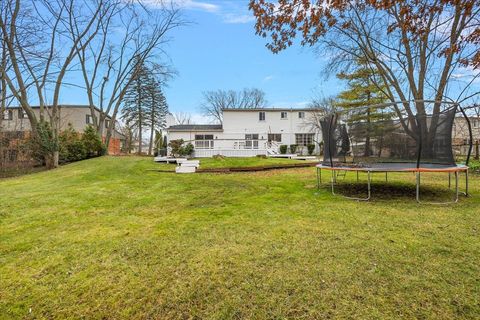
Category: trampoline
<point>413,136</point>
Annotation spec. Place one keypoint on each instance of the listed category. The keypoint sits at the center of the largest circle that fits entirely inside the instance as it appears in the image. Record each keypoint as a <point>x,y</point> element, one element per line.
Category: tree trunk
<point>140,136</point>
<point>367,138</point>
<point>151,140</point>
<point>56,158</point>
<point>51,160</point>
<point>477,156</point>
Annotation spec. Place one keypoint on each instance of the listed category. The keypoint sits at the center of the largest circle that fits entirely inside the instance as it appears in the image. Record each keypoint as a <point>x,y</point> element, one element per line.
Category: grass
<point>108,238</point>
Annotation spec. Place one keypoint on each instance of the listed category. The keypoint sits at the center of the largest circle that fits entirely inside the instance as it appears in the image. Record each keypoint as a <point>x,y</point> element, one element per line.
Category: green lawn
<point>108,238</point>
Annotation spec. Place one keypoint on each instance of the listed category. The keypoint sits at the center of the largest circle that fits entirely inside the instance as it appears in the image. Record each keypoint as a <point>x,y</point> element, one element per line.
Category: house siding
<point>74,115</point>
<point>238,123</point>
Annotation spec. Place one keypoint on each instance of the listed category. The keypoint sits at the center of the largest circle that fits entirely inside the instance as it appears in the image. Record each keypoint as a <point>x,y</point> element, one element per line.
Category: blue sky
<point>219,50</point>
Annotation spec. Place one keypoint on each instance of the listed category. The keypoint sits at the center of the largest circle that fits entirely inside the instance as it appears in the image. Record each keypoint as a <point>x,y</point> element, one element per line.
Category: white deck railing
<point>205,153</point>
<point>229,148</point>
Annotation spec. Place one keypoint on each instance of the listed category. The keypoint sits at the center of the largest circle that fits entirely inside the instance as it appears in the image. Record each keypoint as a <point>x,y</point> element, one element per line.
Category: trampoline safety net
<point>418,132</point>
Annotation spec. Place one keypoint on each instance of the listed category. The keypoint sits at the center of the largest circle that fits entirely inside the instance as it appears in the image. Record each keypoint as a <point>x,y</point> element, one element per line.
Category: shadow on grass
<point>383,191</point>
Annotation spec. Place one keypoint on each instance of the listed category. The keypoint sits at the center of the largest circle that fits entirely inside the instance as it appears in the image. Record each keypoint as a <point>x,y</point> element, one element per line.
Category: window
<point>476,123</point>
<point>88,119</point>
<point>8,115</point>
<point>277,137</point>
<point>107,123</point>
<point>304,139</point>
<point>251,141</point>
<point>12,155</point>
<point>22,114</point>
<point>301,115</point>
<point>283,115</point>
<point>261,116</point>
<point>204,141</point>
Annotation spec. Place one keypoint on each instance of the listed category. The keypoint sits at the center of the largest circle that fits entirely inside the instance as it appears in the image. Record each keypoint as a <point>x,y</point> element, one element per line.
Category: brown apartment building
<point>461,135</point>
<point>15,121</point>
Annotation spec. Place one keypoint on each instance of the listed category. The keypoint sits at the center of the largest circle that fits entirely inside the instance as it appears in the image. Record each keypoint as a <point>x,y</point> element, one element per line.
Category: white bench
<point>190,163</point>
<point>183,169</point>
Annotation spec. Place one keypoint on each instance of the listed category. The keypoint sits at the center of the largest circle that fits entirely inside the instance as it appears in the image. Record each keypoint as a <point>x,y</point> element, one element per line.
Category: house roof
<point>62,106</point>
<point>196,127</point>
<point>266,109</point>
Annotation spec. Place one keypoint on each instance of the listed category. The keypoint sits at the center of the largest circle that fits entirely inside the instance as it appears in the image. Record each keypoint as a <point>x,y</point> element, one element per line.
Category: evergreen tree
<point>158,142</point>
<point>156,107</point>
<point>135,102</point>
<point>363,92</point>
<point>92,142</point>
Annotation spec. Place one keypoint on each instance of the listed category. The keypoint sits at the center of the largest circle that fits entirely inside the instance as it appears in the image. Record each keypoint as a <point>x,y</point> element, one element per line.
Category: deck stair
<point>272,148</point>
<point>187,166</point>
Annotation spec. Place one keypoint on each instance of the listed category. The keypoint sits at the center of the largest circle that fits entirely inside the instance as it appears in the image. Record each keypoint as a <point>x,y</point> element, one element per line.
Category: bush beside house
<point>311,149</point>
<point>75,146</point>
<point>293,148</point>
<point>180,149</point>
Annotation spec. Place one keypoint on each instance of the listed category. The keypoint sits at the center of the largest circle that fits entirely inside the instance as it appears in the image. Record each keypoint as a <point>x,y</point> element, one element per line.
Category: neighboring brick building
<point>461,136</point>
<point>14,119</point>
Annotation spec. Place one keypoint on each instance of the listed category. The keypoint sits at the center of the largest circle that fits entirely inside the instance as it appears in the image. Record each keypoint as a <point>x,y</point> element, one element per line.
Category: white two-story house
<point>250,132</point>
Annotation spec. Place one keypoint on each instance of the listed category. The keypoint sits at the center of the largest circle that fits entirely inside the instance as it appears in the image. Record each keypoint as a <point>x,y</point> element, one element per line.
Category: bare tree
<point>215,101</point>
<point>415,46</point>
<point>108,64</point>
<point>182,118</point>
<point>35,34</point>
<point>319,108</point>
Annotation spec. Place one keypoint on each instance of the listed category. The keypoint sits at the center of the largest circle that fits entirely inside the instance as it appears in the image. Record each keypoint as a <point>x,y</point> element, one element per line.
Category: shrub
<point>188,150</point>
<point>43,144</point>
<point>293,148</point>
<point>93,144</point>
<point>311,149</point>
<point>283,149</point>
<point>178,148</point>
<point>72,147</point>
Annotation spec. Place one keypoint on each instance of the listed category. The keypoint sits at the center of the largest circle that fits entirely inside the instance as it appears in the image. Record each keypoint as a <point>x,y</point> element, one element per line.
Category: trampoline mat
<point>395,167</point>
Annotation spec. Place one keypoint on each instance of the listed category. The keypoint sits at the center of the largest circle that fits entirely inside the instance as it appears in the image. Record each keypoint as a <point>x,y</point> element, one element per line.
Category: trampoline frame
<point>456,170</point>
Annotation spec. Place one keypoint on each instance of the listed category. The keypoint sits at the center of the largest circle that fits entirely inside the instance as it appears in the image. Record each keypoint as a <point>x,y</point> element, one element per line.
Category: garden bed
<point>257,168</point>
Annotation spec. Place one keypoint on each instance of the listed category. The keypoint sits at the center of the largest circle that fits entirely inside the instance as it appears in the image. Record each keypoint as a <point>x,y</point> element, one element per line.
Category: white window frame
<point>301,114</point>
<point>304,139</point>
<point>88,119</point>
<point>261,115</point>
<point>7,115</point>
<point>22,114</point>
<point>282,113</point>
<point>204,141</point>
<point>251,141</point>
<point>274,137</point>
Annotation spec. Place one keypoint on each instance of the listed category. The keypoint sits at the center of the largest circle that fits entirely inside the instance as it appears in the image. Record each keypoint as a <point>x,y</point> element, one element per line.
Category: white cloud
<point>230,11</point>
<point>198,5</point>
<point>237,18</point>
<point>467,74</point>
<point>185,4</point>
<point>268,78</point>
